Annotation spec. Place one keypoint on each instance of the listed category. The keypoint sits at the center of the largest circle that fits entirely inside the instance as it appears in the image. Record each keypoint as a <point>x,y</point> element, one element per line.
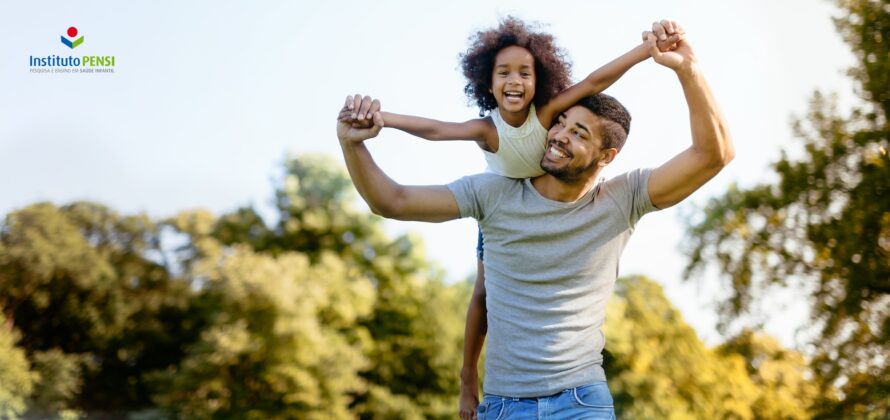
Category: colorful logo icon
<point>72,43</point>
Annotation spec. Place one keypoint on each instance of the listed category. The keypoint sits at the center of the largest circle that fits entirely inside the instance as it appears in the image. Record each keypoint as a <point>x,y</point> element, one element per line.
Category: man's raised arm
<point>711,147</point>
<point>386,197</point>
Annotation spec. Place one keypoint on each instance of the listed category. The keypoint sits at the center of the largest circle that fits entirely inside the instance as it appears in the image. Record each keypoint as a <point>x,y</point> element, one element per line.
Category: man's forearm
<point>375,187</point>
<point>710,133</point>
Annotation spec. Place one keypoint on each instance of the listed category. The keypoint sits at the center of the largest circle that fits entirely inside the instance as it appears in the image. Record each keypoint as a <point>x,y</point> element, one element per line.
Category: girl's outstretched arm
<point>482,131</point>
<point>602,78</point>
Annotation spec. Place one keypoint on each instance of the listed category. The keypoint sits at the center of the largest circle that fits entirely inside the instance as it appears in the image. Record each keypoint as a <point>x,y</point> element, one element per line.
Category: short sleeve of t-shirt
<point>630,192</point>
<point>478,195</point>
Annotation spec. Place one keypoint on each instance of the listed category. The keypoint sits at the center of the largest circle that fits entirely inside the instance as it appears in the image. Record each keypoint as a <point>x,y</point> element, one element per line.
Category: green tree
<point>657,366</point>
<point>281,339</point>
<point>416,322</point>
<point>782,376</point>
<point>95,303</point>
<point>418,350</point>
<point>320,313</point>
<point>59,383</point>
<point>16,378</point>
<point>824,227</point>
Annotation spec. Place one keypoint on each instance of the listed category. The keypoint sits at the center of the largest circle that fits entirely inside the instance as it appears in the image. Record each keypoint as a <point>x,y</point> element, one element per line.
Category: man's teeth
<point>557,153</point>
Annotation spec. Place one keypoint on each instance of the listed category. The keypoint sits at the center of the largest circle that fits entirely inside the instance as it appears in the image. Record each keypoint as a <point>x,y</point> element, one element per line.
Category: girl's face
<point>513,79</point>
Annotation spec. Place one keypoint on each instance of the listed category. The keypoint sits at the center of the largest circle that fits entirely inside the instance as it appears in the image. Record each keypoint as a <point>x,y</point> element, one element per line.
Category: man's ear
<point>608,155</point>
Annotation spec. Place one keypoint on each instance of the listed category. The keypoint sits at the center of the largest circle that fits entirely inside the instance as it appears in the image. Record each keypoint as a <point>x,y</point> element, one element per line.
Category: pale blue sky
<point>208,97</point>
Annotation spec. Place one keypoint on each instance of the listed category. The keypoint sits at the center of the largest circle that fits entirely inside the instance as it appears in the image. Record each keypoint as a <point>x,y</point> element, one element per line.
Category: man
<point>552,243</point>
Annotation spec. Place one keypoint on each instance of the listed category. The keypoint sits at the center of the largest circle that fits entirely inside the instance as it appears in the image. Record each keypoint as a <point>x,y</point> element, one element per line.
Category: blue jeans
<point>592,401</point>
<point>479,251</point>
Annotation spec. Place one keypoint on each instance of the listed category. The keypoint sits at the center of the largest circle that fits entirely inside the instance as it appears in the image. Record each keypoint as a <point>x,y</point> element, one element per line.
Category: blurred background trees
<point>823,229</point>
<point>659,368</point>
<point>316,315</point>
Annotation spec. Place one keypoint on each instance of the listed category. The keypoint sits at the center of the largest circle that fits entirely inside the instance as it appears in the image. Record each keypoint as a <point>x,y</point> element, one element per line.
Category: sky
<point>208,98</point>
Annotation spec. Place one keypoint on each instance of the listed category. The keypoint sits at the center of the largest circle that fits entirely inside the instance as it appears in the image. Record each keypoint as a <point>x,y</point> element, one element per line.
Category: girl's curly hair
<point>552,68</point>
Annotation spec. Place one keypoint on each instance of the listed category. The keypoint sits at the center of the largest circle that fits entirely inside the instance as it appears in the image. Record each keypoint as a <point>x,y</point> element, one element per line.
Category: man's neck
<point>565,191</point>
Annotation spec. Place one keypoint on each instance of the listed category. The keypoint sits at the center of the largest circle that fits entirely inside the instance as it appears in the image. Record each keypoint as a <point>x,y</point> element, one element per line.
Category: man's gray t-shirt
<point>549,270</point>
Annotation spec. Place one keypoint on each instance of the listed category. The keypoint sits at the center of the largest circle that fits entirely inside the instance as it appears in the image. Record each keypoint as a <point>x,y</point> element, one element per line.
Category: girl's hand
<point>357,131</point>
<point>681,56</point>
<point>667,34</point>
<point>357,111</point>
<point>469,400</point>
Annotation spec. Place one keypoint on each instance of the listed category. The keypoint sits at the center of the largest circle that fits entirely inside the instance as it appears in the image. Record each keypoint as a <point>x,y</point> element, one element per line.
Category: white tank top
<point>520,149</point>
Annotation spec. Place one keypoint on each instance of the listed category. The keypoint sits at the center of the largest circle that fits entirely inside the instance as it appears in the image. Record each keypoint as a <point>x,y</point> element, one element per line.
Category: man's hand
<point>680,57</point>
<point>667,35</point>
<point>469,398</point>
<point>668,45</point>
<point>359,119</point>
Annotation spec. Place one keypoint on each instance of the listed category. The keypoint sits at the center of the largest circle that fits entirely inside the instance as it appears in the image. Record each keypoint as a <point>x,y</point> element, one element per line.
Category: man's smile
<point>555,152</point>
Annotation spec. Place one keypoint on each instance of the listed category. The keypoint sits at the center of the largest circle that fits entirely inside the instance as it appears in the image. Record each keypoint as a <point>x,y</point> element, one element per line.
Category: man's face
<point>574,146</point>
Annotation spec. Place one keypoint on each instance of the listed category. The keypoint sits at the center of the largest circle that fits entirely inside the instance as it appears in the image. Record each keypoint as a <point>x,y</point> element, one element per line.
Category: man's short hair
<point>616,119</point>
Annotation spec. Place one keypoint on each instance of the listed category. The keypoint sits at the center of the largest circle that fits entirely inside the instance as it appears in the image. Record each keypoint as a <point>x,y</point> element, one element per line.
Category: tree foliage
<point>16,378</point>
<point>95,305</point>
<point>824,227</point>
<point>281,339</point>
<point>416,338</point>
<point>659,368</point>
<point>781,376</point>
<point>317,314</point>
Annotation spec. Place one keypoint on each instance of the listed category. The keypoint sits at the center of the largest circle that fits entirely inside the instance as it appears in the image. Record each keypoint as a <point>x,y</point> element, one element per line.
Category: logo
<point>72,43</point>
<point>58,62</point>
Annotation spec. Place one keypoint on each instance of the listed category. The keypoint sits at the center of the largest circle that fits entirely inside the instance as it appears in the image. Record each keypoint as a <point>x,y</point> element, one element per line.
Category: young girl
<point>518,78</point>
